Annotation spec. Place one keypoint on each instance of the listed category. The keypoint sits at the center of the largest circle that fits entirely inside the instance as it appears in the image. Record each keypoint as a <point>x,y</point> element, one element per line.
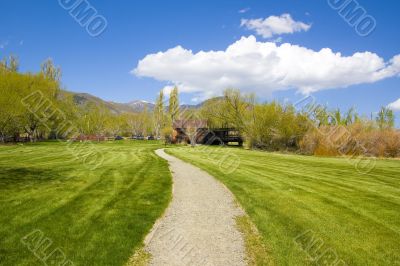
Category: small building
<point>225,136</point>
<point>186,131</point>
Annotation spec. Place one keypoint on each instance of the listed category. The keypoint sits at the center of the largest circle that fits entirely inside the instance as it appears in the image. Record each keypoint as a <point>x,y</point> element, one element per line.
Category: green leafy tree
<point>11,109</point>
<point>159,114</point>
<point>92,119</point>
<point>133,123</point>
<point>27,105</point>
<point>174,104</point>
<point>12,64</point>
<point>49,70</point>
<point>351,116</point>
<point>322,116</point>
<point>3,64</point>
<point>385,118</point>
<point>114,125</point>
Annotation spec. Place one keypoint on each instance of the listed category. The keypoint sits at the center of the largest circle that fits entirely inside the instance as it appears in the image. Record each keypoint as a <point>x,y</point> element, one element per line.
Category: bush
<point>357,139</point>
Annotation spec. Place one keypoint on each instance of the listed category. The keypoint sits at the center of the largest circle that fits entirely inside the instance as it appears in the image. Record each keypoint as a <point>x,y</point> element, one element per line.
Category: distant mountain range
<point>135,106</point>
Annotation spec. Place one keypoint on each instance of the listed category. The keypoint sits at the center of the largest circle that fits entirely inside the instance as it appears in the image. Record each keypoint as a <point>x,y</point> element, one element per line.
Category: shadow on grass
<point>15,176</point>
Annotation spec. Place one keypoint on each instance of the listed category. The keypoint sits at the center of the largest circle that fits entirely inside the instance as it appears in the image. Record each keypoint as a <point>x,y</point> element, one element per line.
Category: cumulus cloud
<point>395,106</point>
<point>244,10</point>
<point>263,68</point>
<point>278,40</point>
<point>167,90</point>
<point>275,25</point>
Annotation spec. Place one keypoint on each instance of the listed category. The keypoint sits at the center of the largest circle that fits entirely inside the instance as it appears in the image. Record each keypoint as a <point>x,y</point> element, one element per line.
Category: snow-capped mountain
<point>139,105</point>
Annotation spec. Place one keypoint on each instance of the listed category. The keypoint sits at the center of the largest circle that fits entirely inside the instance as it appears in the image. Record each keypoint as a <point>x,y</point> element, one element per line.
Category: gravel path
<point>199,225</point>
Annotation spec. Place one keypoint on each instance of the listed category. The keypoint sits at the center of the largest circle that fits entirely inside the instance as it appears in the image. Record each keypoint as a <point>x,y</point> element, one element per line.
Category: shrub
<point>356,139</point>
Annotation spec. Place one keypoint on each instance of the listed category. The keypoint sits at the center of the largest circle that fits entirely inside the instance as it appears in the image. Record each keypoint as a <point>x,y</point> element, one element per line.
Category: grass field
<point>312,210</point>
<point>93,217</point>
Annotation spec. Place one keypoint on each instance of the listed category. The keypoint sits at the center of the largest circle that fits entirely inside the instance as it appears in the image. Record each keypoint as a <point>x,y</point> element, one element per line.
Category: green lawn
<point>308,208</point>
<point>93,217</point>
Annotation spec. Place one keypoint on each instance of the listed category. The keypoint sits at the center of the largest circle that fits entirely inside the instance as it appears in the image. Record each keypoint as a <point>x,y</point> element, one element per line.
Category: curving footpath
<point>199,226</point>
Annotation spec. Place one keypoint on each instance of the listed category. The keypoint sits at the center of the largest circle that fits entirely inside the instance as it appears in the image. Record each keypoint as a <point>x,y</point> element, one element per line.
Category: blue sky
<point>102,66</point>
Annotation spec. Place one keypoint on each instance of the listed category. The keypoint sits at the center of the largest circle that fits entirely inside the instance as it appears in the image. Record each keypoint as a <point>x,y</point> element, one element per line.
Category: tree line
<point>307,128</point>
<point>310,128</point>
<point>18,122</point>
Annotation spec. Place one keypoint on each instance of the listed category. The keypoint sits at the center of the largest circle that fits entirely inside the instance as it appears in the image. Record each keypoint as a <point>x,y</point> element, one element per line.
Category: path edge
<point>141,256</point>
<point>256,252</point>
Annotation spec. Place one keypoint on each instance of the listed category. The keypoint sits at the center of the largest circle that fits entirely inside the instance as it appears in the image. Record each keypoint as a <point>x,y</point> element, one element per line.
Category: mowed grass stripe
<point>308,184</point>
<point>355,215</point>
<point>96,217</point>
<point>329,193</point>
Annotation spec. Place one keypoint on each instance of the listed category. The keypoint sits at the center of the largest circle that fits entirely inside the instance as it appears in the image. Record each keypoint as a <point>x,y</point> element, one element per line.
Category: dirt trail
<point>199,225</point>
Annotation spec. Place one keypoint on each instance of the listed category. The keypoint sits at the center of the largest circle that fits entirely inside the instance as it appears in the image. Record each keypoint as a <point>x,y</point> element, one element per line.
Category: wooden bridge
<point>197,130</point>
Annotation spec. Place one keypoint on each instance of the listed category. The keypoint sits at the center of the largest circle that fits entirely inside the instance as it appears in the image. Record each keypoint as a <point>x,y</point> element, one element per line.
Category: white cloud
<point>278,40</point>
<point>3,44</point>
<point>275,25</point>
<point>264,67</point>
<point>195,99</point>
<point>167,90</point>
<point>395,106</point>
<point>244,10</point>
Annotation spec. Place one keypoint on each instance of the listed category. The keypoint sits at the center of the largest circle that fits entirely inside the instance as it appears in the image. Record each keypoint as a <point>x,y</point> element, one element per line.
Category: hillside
<point>134,106</point>
<point>118,108</point>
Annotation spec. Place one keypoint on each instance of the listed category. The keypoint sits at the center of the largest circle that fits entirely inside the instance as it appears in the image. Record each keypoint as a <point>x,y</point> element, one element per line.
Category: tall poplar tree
<point>174,104</point>
<point>159,113</point>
